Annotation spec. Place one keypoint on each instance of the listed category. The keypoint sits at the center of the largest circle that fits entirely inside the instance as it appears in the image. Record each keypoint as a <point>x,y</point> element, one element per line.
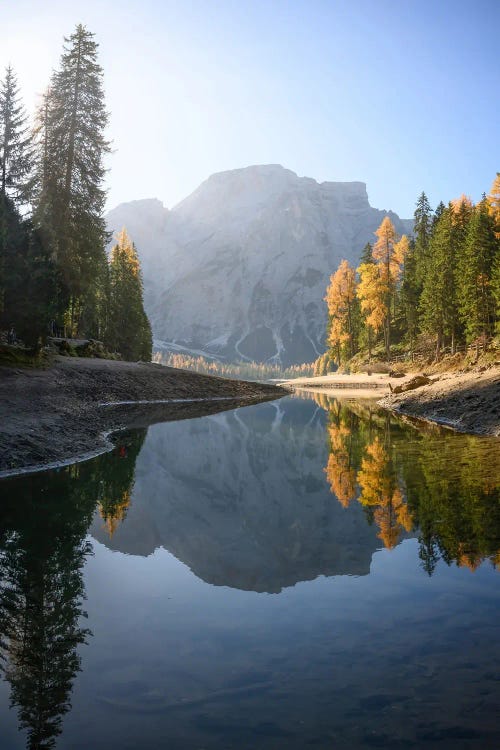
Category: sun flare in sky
<point>402,96</point>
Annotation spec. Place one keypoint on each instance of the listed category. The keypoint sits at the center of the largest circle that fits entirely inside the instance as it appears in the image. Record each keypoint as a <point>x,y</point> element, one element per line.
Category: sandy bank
<point>57,414</point>
<point>347,386</point>
<point>467,401</point>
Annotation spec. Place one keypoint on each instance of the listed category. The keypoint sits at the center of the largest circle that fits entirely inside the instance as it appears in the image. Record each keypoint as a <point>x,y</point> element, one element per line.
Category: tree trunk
<point>438,346</point>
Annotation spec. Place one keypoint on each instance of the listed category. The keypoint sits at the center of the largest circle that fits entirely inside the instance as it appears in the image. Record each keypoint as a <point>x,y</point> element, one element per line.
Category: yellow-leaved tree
<point>378,280</point>
<point>340,298</point>
<point>372,293</point>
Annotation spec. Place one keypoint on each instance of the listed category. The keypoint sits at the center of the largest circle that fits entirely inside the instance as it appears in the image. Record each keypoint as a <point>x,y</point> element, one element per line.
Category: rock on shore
<point>467,401</point>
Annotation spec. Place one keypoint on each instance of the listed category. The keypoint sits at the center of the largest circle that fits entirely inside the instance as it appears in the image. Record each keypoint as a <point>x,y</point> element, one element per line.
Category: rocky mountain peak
<point>239,269</point>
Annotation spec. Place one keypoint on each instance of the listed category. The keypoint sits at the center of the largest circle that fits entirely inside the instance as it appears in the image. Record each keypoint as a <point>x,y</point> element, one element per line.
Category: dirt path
<point>56,414</point>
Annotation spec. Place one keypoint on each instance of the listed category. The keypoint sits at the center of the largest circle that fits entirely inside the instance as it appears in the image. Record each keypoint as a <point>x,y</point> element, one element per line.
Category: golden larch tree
<point>372,292</point>
<point>389,253</point>
<point>340,297</point>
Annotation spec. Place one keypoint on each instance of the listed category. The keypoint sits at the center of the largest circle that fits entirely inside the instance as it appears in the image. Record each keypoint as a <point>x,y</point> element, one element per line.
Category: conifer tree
<point>70,204</point>
<point>129,331</point>
<point>15,142</point>
<point>422,229</point>
<point>494,203</point>
<point>495,288</point>
<point>437,213</point>
<point>15,155</point>
<point>477,303</point>
<point>410,295</point>
<point>438,301</point>
<point>367,254</point>
<point>29,280</point>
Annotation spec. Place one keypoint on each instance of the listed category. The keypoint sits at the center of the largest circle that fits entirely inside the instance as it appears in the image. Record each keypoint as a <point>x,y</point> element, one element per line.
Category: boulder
<point>417,382</point>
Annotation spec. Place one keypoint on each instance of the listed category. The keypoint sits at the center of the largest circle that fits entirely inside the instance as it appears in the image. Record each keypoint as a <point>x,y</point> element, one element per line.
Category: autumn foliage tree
<point>341,300</point>
<point>444,280</point>
<point>372,292</point>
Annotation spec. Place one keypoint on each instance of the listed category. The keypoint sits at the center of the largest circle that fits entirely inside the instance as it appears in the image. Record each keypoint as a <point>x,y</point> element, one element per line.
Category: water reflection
<point>241,499</point>
<point>418,478</point>
<point>44,520</point>
<point>255,499</point>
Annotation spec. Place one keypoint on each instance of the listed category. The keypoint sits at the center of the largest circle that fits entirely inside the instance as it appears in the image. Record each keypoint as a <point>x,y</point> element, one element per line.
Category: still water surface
<point>302,573</point>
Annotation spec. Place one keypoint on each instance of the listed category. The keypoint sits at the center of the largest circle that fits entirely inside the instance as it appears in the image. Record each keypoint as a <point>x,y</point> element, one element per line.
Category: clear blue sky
<point>402,94</point>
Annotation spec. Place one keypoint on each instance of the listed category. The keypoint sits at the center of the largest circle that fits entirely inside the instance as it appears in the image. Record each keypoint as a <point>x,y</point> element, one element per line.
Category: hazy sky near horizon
<point>401,94</point>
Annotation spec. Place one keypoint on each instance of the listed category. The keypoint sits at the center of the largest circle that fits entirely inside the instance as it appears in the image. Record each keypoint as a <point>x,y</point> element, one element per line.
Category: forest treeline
<point>252,370</point>
<point>55,276</point>
<point>443,282</point>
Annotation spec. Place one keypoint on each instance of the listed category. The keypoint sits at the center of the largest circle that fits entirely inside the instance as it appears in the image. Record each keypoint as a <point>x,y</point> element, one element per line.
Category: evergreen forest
<point>437,291</point>
<point>55,276</point>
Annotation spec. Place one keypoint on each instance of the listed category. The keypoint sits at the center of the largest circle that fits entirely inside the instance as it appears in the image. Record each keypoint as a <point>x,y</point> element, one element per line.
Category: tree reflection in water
<point>43,547</point>
<point>439,484</point>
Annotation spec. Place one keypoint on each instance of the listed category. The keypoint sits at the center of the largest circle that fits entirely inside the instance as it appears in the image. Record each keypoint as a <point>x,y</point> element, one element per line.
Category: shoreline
<point>67,412</point>
<point>467,402</point>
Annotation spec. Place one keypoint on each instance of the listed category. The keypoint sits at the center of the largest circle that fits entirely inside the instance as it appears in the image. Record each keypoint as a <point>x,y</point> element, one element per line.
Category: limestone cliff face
<point>239,269</point>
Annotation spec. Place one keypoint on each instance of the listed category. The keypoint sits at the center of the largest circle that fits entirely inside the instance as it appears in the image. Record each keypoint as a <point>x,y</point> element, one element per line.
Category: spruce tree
<point>477,303</point>
<point>29,280</point>
<point>422,229</point>
<point>438,299</point>
<point>410,295</point>
<point>437,213</point>
<point>367,254</point>
<point>495,287</point>
<point>15,142</point>
<point>15,161</point>
<point>70,204</point>
<point>129,331</point>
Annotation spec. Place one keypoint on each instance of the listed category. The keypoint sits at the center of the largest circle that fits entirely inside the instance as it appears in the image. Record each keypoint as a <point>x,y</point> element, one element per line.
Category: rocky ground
<point>466,401</point>
<point>56,414</point>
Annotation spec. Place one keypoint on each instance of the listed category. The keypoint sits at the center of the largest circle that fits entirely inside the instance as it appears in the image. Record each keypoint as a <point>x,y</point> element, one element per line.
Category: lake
<point>298,573</point>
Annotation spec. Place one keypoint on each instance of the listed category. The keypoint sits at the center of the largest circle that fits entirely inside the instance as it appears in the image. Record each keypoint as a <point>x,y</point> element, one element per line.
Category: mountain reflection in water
<point>240,497</point>
<point>256,499</point>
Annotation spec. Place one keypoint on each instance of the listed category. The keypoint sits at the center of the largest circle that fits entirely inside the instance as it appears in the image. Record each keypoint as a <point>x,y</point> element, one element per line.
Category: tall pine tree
<point>438,304</point>
<point>422,229</point>
<point>15,161</point>
<point>15,142</point>
<point>70,204</point>
<point>477,302</point>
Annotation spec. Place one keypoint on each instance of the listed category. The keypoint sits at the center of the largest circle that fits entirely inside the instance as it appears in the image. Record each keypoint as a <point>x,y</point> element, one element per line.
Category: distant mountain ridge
<point>239,269</point>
